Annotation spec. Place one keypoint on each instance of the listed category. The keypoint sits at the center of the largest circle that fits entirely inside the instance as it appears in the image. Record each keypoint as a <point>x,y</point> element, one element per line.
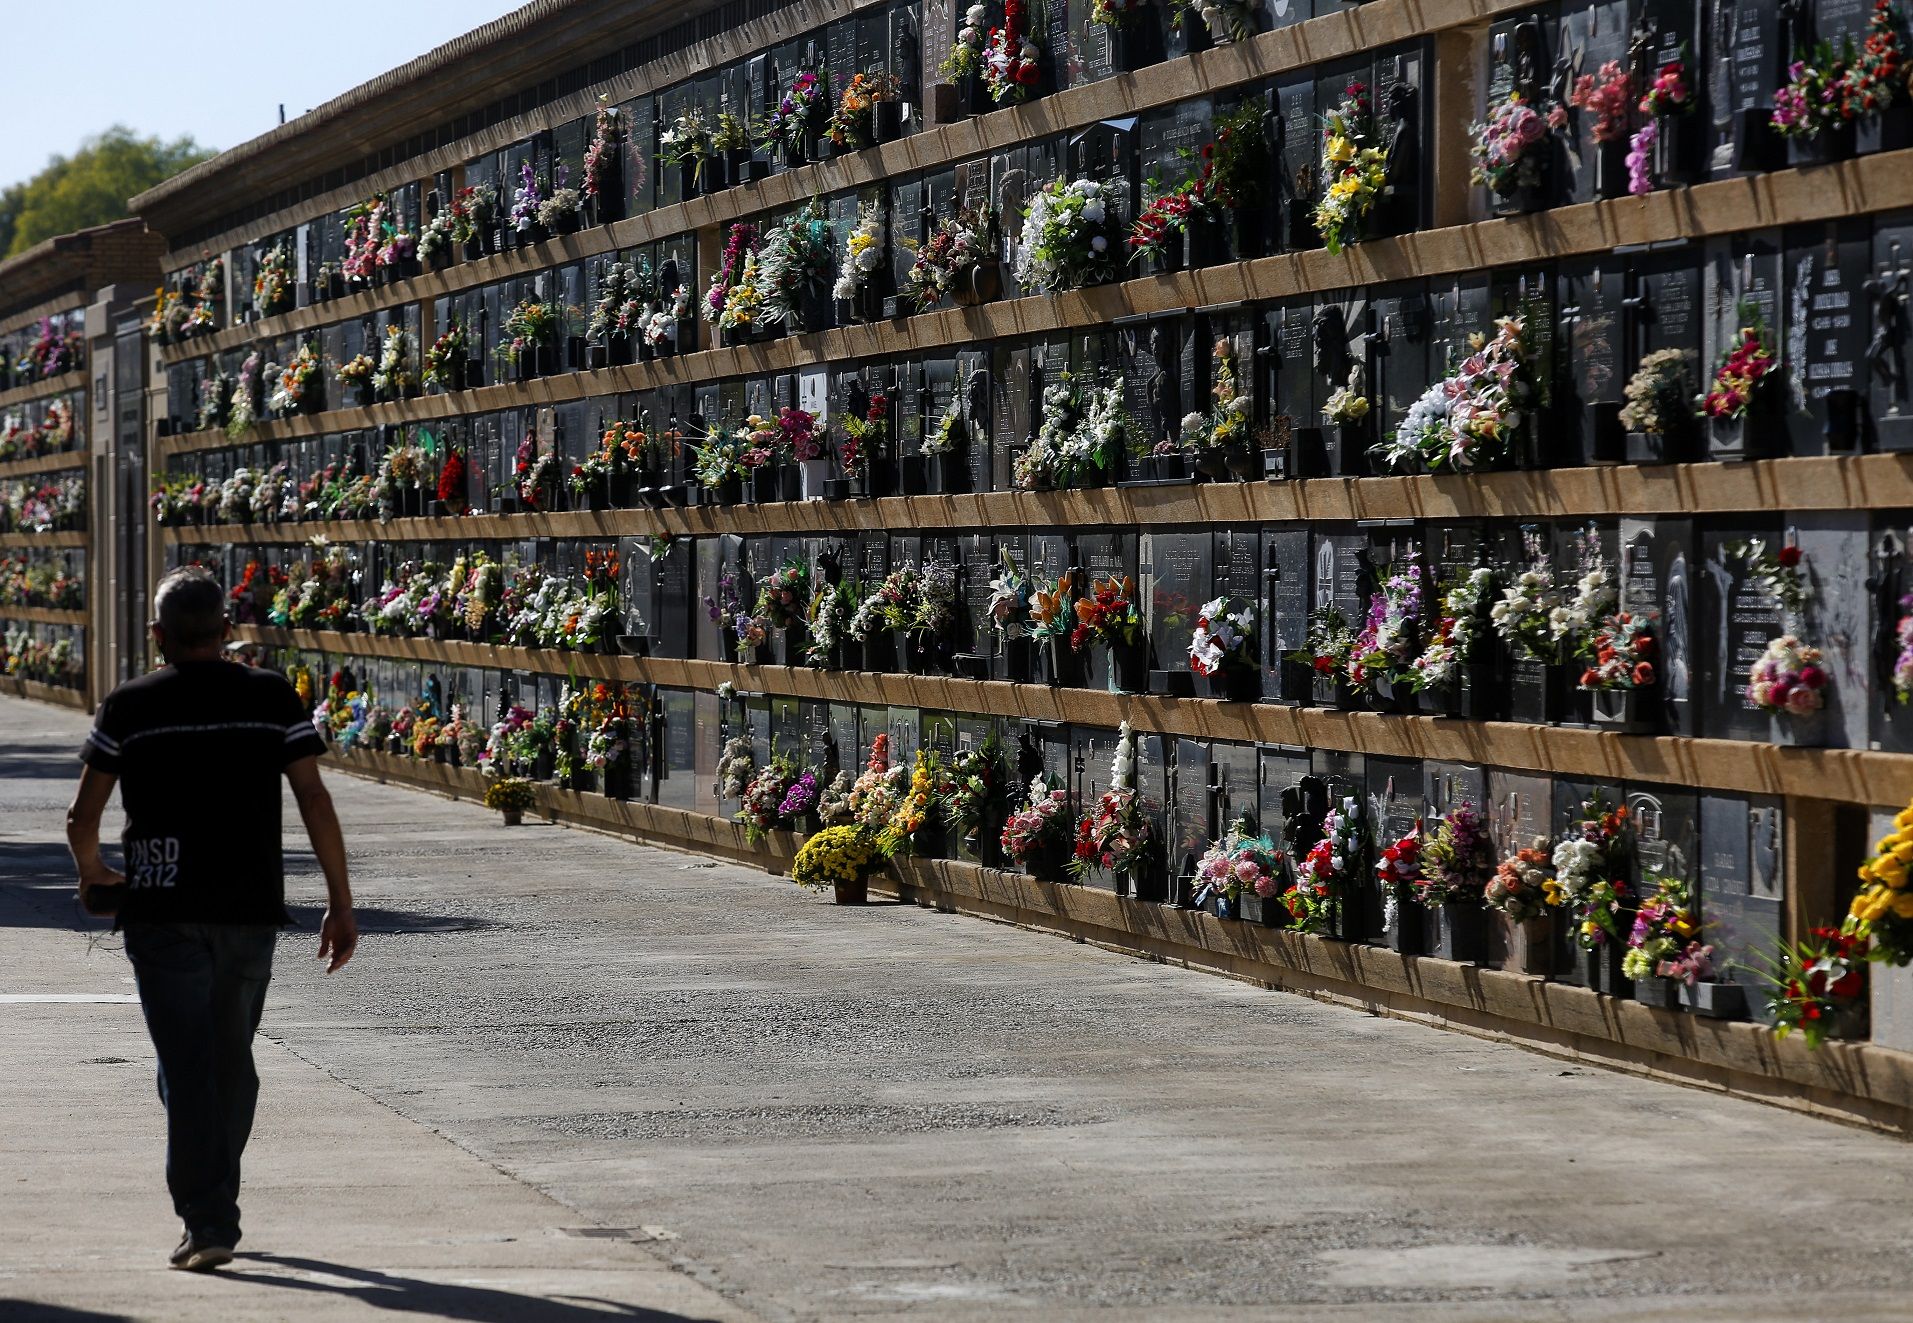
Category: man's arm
<point>338,931</point>
<point>83,830</point>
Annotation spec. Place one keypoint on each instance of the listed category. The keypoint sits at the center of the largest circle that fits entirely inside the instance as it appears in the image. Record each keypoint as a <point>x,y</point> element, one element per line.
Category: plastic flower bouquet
<point>863,254</point>
<point>1526,615</point>
<point>1398,871</point>
<point>1458,860</point>
<point>1331,866</point>
<point>1051,608</point>
<point>736,767</point>
<point>1902,677</point>
<point>1084,429</point>
<point>1065,242</point>
<point>1660,393</point>
<point>1607,98</point>
<point>965,58</point>
<point>794,261</point>
<point>1037,837</point>
<point>1472,418</point>
<point>1346,405</point>
<point>1621,652</point>
<point>1818,986</point>
<point>977,784</point>
<point>1011,57</point>
<point>1881,913</point>
<point>1518,888</point>
<point>1352,166</point>
<point>784,597</point>
<point>1224,637</point>
<point>1510,146</point>
<point>763,799</point>
<point>1742,370</point>
<point>918,807</point>
<point>1665,939</point>
<point>1330,643</point>
<point>797,113</point>
<point>1389,640</point>
<point>1457,634</point>
<point>878,789</point>
<point>841,855</point>
<point>1117,835</point>
<point>740,243</point>
<point>944,262</point>
<point>1590,868</point>
<point>1108,617</point>
<point>1242,861</point>
<point>1789,677</point>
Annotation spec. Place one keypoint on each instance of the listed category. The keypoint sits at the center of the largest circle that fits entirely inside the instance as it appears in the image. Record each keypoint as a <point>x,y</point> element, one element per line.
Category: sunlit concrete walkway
<point>571,1077</point>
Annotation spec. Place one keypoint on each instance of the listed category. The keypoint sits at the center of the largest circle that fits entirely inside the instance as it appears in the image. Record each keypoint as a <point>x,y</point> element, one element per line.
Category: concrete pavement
<point>814,1113</point>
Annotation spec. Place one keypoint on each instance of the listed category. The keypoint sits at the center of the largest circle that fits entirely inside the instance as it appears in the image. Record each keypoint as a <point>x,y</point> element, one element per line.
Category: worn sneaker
<point>199,1255</point>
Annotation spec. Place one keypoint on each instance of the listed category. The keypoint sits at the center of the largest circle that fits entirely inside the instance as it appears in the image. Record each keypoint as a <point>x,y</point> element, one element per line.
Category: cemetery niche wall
<point>1164,504</point>
<point>71,379</point>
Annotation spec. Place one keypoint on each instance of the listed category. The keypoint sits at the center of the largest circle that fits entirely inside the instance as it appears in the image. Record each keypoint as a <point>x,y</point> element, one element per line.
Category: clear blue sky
<point>214,69</point>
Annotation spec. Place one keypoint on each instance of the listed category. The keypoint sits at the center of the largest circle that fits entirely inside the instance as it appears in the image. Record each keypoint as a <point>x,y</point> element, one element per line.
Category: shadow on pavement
<point>41,765</point>
<point>45,898</point>
<point>469,1304</point>
<point>29,1311</point>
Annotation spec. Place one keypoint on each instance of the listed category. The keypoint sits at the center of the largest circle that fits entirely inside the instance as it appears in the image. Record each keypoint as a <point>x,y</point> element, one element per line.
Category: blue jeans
<point>202,987</point>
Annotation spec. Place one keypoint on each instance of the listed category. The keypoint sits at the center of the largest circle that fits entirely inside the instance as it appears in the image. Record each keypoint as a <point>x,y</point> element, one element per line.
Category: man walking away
<point>197,748</point>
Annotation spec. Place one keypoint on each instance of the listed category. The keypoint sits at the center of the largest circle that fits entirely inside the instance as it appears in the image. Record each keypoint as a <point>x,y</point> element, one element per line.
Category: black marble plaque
<point>1011,409</point>
<point>1890,329</point>
<point>1100,556</point>
<point>1298,166</point>
<point>1169,144</point>
<point>1177,578</point>
<point>1284,610</point>
<point>1748,270</point>
<point>979,567</point>
<point>848,747</point>
<point>1827,331</point>
<point>1741,900</point>
<point>1656,570</point>
<point>1521,811</point>
<point>1106,153</point>
<point>1666,825</point>
<point>1398,357</point>
<point>1594,362</point>
<point>1840,617</point>
<point>1194,806</point>
<point>905,727</point>
<point>1447,786</point>
<point>973,396</point>
<point>1737,618</point>
<point>1237,791</point>
<point>1591,32</point>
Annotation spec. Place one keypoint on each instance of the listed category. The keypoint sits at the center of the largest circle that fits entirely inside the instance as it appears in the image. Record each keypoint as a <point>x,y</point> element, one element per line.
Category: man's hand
<point>99,876</point>
<point>338,937</point>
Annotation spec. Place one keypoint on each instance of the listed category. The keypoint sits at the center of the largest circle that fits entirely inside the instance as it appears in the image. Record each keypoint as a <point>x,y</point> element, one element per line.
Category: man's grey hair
<point>190,606</point>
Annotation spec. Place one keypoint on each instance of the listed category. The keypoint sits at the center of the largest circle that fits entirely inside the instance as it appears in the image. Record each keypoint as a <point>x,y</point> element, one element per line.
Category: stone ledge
<point>1855,775</point>
<point>1820,482</point>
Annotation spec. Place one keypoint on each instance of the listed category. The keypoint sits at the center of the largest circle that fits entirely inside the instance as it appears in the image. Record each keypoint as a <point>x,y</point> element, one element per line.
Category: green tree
<point>90,187</point>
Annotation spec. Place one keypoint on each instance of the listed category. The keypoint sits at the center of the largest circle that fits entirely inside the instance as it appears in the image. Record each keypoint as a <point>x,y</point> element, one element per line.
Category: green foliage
<point>90,187</point>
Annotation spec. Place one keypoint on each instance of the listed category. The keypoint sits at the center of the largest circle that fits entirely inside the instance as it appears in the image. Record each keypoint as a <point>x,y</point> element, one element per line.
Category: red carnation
<point>1789,557</point>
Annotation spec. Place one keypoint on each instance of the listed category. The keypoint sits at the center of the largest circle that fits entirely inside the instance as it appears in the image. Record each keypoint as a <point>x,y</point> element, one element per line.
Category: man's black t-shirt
<point>199,750</point>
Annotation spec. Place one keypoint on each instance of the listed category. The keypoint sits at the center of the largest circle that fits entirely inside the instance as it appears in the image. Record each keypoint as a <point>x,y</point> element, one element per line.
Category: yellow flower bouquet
<point>1882,910</point>
<point>841,857</point>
